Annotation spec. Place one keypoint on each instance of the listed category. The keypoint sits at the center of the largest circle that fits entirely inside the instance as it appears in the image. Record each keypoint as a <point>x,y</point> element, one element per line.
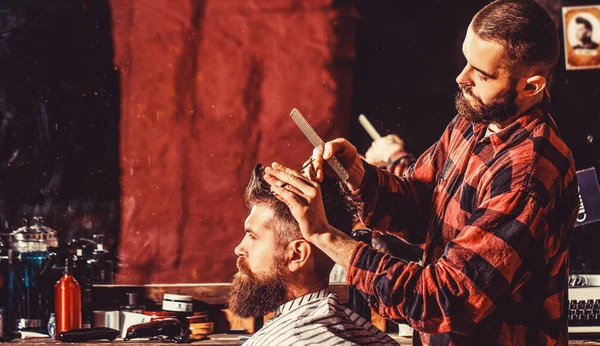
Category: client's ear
<point>298,252</point>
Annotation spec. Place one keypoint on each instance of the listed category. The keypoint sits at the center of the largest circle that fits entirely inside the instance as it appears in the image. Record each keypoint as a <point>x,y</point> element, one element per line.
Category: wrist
<point>357,175</point>
<point>336,244</point>
<point>320,235</point>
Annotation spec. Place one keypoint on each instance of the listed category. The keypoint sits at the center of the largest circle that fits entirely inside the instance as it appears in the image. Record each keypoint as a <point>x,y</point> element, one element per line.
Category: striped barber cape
<point>317,318</point>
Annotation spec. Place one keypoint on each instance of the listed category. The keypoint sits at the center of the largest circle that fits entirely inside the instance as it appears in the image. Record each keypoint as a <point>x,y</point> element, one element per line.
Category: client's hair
<point>338,204</point>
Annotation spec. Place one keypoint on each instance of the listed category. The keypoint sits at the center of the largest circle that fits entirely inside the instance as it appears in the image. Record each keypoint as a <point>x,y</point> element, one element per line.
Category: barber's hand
<point>346,154</point>
<point>382,149</point>
<point>301,195</point>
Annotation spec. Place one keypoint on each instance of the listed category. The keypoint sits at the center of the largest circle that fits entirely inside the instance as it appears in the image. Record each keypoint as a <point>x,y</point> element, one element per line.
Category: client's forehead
<point>260,219</point>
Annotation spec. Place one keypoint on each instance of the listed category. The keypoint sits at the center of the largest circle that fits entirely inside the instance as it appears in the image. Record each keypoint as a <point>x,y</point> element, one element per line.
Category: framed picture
<point>582,36</point>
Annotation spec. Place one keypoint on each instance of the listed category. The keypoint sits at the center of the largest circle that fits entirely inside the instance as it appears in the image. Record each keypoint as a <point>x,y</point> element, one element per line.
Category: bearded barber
<point>495,199</point>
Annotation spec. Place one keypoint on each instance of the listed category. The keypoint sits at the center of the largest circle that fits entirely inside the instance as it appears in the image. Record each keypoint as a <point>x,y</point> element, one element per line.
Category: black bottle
<point>83,275</point>
<point>101,263</point>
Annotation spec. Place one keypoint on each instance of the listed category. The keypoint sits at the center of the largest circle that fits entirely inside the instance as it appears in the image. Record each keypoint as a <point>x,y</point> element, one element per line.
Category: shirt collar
<point>300,301</point>
<point>522,126</point>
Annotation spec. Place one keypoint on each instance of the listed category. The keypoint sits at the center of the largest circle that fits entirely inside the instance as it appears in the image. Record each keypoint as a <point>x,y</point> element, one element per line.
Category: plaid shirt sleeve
<point>399,162</point>
<point>510,235</point>
<point>494,254</point>
<point>386,197</point>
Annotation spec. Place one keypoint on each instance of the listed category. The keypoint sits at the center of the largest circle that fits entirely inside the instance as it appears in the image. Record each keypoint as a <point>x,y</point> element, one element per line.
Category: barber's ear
<point>299,252</point>
<point>534,85</point>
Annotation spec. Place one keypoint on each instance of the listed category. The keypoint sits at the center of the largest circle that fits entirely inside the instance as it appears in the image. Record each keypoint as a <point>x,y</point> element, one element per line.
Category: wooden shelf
<point>211,293</point>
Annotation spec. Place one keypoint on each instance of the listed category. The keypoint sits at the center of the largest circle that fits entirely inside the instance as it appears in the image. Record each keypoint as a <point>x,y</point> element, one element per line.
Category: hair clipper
<point>171,329</point>
<point>88,334</point>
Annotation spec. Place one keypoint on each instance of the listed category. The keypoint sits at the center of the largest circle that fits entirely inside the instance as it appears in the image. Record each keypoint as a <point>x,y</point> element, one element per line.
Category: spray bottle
<point>67,301</point>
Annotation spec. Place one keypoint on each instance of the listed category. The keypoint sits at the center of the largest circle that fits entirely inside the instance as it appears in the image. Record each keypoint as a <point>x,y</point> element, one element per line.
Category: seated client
<point>280,271</point>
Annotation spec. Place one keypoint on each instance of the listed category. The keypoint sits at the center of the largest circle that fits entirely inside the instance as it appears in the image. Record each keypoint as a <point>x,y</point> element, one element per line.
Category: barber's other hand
<point>382,149</point>
<point>346,154</point>
<point>301,195</point>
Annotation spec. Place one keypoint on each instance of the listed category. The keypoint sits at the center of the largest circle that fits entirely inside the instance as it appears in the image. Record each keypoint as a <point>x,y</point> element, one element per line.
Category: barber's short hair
<point>586,23</point>
<point>339,207</point>
<point>526,31</point>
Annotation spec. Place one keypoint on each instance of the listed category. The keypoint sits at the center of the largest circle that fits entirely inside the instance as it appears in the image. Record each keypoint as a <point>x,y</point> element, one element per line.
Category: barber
<point>495,200</point>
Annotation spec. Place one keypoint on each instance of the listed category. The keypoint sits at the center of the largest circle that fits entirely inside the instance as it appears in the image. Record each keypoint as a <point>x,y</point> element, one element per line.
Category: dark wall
<point>59,108</point>
<point>60,99</point>
<point>576,105</point>
<point>576,101</point>
<point>408,56</point>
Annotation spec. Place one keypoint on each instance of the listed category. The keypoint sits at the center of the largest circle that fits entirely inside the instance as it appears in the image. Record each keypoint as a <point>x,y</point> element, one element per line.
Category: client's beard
<point>495,112</point>
<point>254,295</point>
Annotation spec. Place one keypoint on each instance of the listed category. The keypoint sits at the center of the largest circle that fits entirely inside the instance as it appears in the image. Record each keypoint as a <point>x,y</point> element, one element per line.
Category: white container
<point>177,302</point>
<point>108,319</point>
<point>129,319</point>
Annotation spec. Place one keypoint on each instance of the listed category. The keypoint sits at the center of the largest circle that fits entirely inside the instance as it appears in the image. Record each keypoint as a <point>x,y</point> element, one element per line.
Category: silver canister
<point>33,237</point>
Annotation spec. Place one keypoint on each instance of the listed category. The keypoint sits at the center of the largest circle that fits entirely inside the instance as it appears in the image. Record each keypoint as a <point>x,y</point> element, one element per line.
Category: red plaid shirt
<point>496,214</point>
<point>399,162</point>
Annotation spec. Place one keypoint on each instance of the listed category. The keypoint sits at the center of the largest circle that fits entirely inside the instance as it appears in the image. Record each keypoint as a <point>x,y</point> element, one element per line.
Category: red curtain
<point>207,87</point>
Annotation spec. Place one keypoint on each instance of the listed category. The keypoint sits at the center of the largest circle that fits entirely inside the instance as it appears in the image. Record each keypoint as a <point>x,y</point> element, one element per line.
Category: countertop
<point>215,339</point>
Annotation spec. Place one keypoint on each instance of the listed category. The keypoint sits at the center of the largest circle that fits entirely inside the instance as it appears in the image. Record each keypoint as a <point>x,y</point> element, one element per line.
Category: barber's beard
<point>253,295</point>
<point>495,112</point>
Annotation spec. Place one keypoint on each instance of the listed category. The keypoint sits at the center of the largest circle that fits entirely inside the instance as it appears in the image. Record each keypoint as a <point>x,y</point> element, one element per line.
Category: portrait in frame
<point>582,36</point>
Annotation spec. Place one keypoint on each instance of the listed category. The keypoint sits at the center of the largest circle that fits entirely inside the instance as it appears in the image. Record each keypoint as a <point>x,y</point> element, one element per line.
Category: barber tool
<point>301,169</point>
<point>368,127</point>
<point>88,334</point>
<point>171,329</point>
<point>316,141</point>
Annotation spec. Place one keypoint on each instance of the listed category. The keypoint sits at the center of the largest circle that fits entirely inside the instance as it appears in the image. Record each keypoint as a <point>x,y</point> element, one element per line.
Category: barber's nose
<point>462,77</point>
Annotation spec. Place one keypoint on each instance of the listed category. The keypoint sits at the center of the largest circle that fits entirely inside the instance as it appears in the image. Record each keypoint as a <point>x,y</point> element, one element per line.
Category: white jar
<point>177,302</point>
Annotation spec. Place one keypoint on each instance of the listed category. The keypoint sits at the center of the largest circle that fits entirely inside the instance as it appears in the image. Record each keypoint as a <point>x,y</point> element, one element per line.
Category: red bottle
<point>67,298</point>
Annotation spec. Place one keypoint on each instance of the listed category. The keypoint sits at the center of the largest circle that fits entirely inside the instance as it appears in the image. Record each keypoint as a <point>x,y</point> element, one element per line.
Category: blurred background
<point>142,120</point>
